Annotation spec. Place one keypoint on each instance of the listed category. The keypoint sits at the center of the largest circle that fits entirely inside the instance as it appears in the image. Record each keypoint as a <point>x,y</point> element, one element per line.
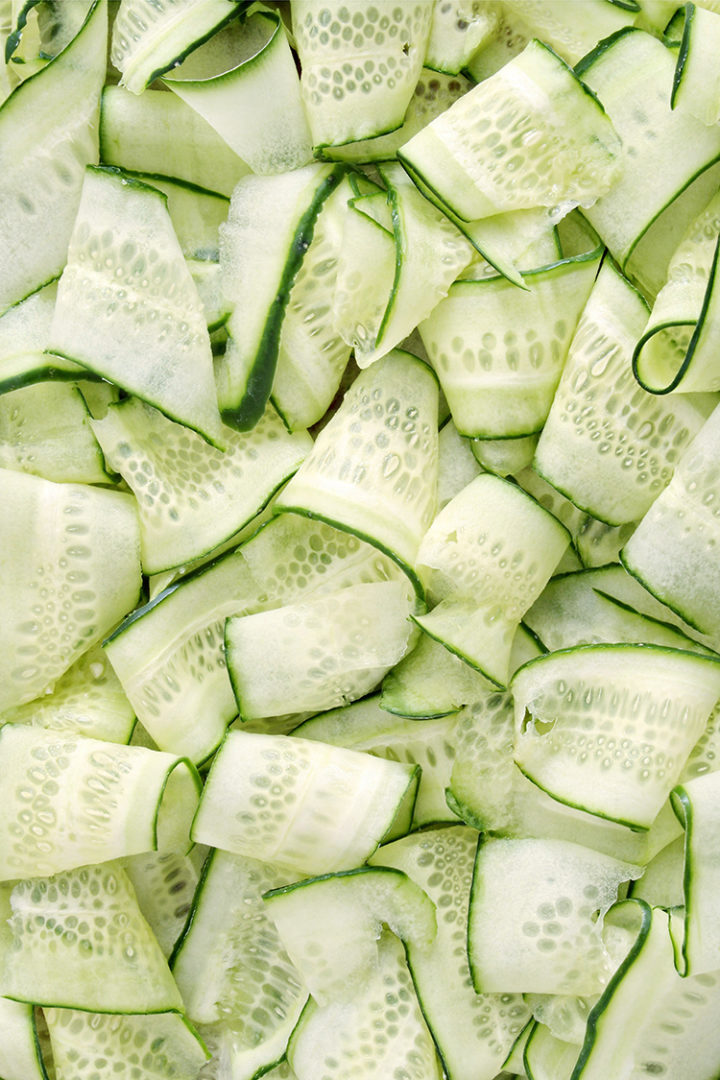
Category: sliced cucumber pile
<point>360,540</point>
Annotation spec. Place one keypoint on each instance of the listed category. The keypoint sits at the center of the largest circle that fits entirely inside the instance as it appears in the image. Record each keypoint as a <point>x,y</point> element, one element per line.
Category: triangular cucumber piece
<point>159,134</point>
<point>365,725</point>
<point>45,148</point>
<point>386,498</point>
<point>70,572</point>
<point>45,430</point>
<point>232,969</point>
<point>473,1032</point>
<point>429,254</point>
<point>548,1058</point>
<point>162,1046</point>
<point>244,82</point>
<point>320,652</point>
<point>430,682</point>
<point>138,800</point>
<point>617,476</point>
<point>87,700</point>
<point>152,36</point>
<point>24,333</point>
<point>696,88</point>
<point>434,93</point>
<point>560,143</point>
<point>312,355</point>
<point>607,728</point>
<point>192,497</point>
<point>331,925</point>
<point>634,66</point>
<point>80,942</point>
<point>380,1032</point>
<point>698,943</point>
<point>677,346</point>
<point>330,807</point>
<point>366,270</point>
<point>499,352</point>
<point>458,30</point>
<point>360,65</point>
<point>532,922</point>
<point>164,884</point>
<point>127,307</point>
<point>650,1021</point>
<point>486,558</point>
<point>672,550</point>
<point>262,246</point>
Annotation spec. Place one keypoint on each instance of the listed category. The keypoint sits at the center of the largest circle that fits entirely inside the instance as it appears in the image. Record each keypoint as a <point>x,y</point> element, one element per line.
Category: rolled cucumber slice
<point>127,307</point>
<point>339,806</point>
<point>57,921</point>
<point>70,572</point>
<point>643,707</point>
<point>386,498</point>
<point>696,88</point>
<point>361,53</point>
<point>532,922</point>
<point>537,99</point>
<point>149,38</point>
<point>192,497</point>
<point>244,82</point>
<point>44,153</point>
<point>698,943</point>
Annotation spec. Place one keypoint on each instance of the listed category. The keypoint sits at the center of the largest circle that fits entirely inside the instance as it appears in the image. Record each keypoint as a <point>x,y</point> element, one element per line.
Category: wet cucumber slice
<point>71,572</point>
<point>331,925</point>
<point>57,921</point>
<point>163,1046</point>
<point>535,115</point>
<point>643,707</point>
<point>237,981</point>
<point>608,445</point>
<point>360,64</point>
<point>151,36</point>
<point>331,809</point>
<point>45,148</point>
<point>473,1032</point>
<point>380,1032</point>
<point>127,307</point>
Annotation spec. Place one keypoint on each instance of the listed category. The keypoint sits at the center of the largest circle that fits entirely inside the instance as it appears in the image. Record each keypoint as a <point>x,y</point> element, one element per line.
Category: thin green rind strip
<point>13,39</point>
<point>246,413</point>
<point>683,809</point>
<point>697,332</point>
<point>682,53</point>
<point>602,47</point>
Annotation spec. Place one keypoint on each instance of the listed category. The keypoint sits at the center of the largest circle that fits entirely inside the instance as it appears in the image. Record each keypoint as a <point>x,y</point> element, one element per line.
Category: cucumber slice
<point>607,445</point>
<point>195,212</point>
<point>58,921</point>
<point>547,1057</point>
<point>662,882</point>
<point>232,970</point>
<point>534,101</point>
<point>21,1057</point>
<point>161,1046</point>
<point>24,333</point>
<point>696,88</point>
<point>350,640</point>
<point>324,808</point>
<point>499,352</point>
<point>192,497</point>
<point>459,29</point>
<point>244,82</point>
<point>698,945</point>
<point>164,884</point>
<point>87,700</point>
<point>532,922</point>
<point>135,800</point>
<point>361,52</point>
<point>505,457</point>
<point>159,134</point>
<point>323,919</point>
<point>127,307</point>
<point>45,148</point>
<point>151,36</point>
<point>572,37</point>
<point>387,498</point>
<point>380,1032</point>
<point>473,1032</point>
<point>643,707</point>
<point>70,572</point>
<point>262,247</point>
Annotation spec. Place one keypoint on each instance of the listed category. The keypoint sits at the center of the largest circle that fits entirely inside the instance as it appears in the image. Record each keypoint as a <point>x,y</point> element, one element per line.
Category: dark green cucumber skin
<point>245,414</point>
